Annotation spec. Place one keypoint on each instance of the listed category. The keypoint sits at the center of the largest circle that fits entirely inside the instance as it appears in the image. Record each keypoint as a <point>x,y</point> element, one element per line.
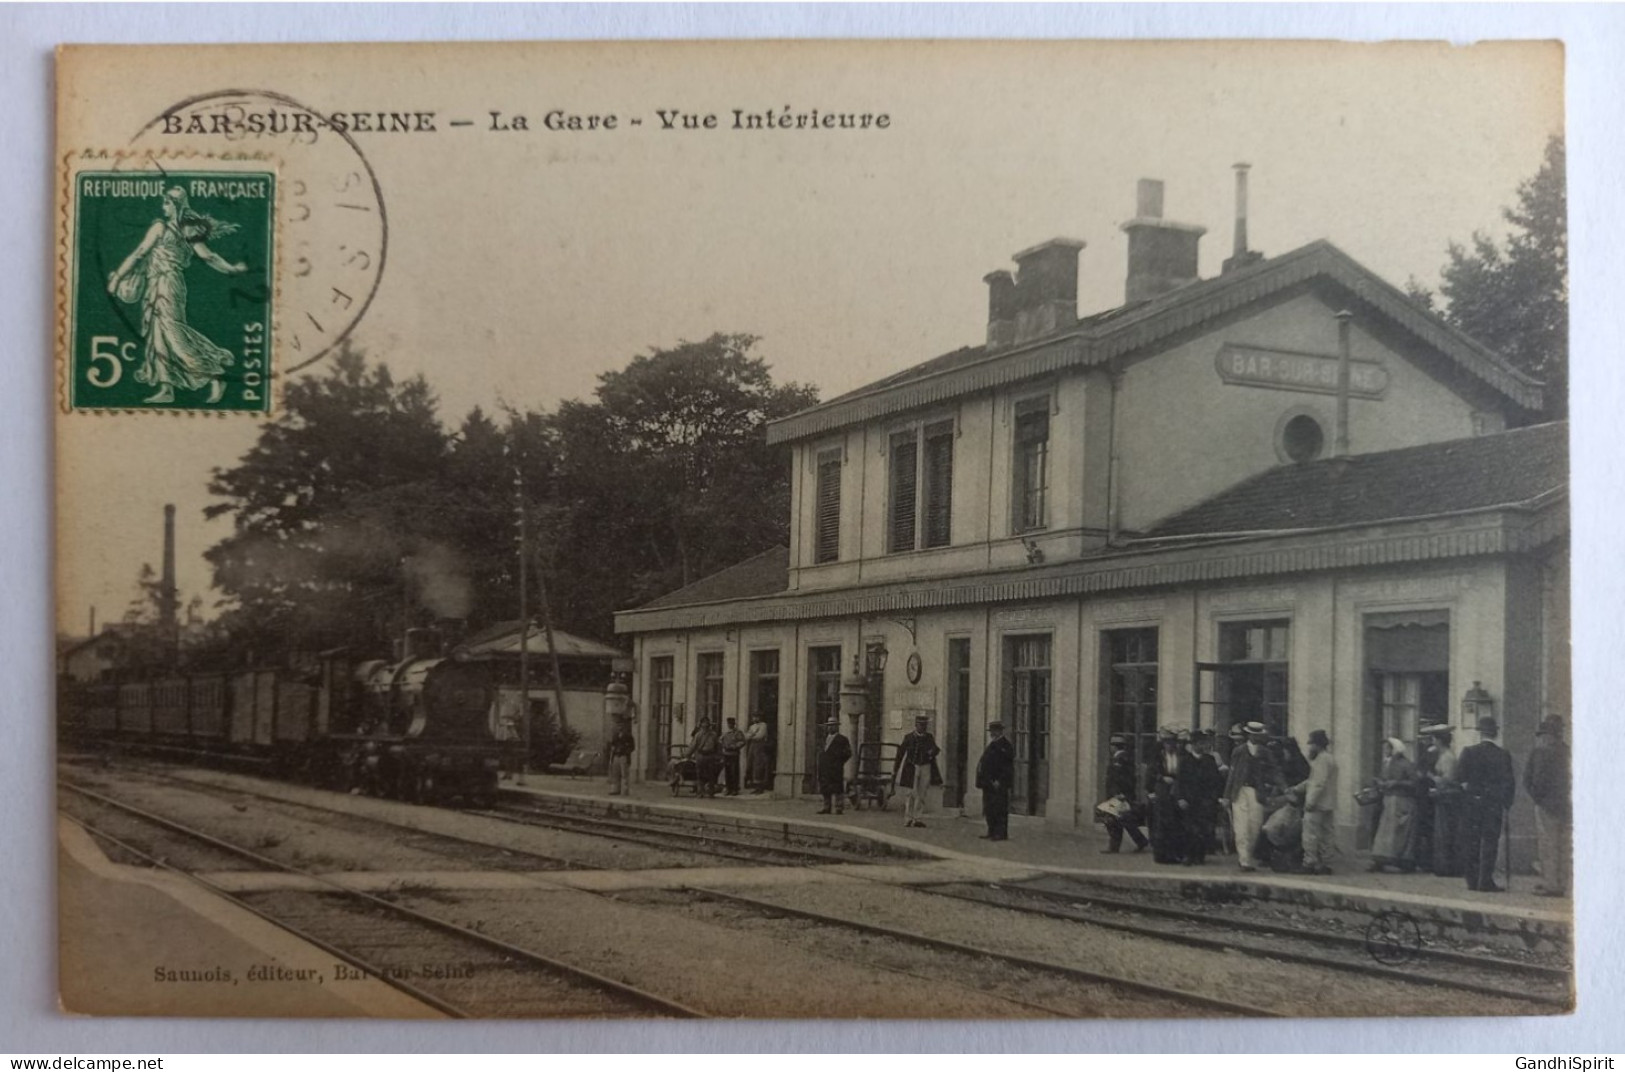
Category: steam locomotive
<point>422,727</point>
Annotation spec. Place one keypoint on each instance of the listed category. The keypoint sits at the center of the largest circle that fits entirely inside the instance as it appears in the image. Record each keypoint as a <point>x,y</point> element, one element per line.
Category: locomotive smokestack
<point>166,591</point>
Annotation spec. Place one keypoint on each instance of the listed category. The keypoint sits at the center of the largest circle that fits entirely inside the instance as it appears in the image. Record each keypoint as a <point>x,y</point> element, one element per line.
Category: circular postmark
<point>332,227</point>
<point>1392,938</point>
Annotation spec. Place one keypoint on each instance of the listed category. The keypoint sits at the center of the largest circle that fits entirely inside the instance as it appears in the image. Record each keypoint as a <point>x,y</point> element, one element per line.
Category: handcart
<point>681,770</point>
<point>877,760</point>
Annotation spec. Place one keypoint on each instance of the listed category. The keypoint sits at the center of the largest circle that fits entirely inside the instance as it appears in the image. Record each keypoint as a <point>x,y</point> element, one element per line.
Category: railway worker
<point>916,770</point>
<point>1120,785</point>
<point>621,747</point>
<point>1319,791</point>
<point>832,760</point>
<point>1167,818</point>
<point>1546,778</point>
<point>706,752</point>
<point>1199,790</point>
<point>1444,793</point>
<point>1488,787</point>
<point>1253,780</point>
<point>758,760</point>
<point>733,742</point>
<point>995,777</point>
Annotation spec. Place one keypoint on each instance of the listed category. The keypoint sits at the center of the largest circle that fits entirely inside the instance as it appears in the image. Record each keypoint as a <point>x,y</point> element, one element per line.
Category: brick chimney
<point>1040,300</point>
<point>1001,309</point>
<point>1161,253</point>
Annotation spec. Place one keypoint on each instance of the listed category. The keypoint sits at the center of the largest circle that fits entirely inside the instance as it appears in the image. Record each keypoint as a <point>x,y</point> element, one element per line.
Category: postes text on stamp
<point>172,287</point>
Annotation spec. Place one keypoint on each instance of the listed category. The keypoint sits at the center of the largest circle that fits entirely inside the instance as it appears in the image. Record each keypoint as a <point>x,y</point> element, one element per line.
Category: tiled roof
<point>1134,327</point>
<point>1436,478</point>
<point>503,639</point>
<point>763,575</point>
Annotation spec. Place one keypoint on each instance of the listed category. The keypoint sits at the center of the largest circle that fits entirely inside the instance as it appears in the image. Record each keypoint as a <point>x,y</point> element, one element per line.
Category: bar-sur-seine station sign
<point>1287,370</point>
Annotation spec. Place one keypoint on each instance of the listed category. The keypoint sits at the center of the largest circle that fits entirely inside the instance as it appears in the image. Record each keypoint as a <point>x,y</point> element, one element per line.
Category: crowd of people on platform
<point>1271,805</point>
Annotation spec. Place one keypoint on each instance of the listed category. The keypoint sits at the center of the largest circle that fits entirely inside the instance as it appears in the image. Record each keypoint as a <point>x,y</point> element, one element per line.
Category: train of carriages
<point>424,727</point>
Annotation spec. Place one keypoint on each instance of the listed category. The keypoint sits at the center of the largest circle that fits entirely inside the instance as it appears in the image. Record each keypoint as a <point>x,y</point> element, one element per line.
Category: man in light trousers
<point>1253,779</point>
<point>1319,798</point>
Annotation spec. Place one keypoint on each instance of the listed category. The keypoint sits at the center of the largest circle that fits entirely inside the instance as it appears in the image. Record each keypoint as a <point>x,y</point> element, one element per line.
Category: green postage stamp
<point>171,290</point>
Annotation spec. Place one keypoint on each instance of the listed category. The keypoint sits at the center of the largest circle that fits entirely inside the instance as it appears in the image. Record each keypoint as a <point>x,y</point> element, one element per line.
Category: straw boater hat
<point>1183,736</point>
<point>1166,734</point>
<point>1237,733</point>
<point>1256,729</point>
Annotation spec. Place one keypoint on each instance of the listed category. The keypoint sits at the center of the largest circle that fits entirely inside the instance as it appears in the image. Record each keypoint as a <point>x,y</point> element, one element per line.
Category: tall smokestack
<point>1241,256</point>
<point>166,593</point>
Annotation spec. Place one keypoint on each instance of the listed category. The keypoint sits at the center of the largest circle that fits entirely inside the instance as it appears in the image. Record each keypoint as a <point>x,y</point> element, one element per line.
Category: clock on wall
<point>914,668</point>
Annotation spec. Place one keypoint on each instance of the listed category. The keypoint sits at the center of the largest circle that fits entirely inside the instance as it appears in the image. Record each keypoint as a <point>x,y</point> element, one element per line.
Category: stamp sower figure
<point>1253,780</point>
<point>832,759</point>
<point>995,775</point>
<point>173,353</point>
<point>733,742</point>
<point>1319,799</point>
<point>1546,777</point>
<point>621,746</point>
<point>1444,793</point>
<point>1120,783</point>
<point>1167,818</point>
<point>917,770</point>
<point>758,760</point>
<point>1488,786</point>
<point>1199,788</point>
<point>1396,841</point>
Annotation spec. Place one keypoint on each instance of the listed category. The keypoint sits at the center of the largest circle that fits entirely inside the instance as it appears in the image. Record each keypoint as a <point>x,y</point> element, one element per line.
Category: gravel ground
<point>174,849</point>
<point>722,970</point>
<point>1291,989</point>
<point>319,830</point>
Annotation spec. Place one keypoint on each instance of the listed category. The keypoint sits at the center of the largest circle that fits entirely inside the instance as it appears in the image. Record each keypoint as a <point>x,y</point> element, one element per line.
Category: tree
<point>1515,298</point>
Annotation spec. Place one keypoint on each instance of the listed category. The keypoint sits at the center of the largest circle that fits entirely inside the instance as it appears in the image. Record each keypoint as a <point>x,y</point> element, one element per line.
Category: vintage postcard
<point>980,530</point>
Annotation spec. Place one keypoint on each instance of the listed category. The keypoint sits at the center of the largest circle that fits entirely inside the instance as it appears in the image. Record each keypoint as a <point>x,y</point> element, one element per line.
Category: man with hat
<point>1319,798</point>
<point>1224,828</point>
<point>1253,780</point>
<point>1546,777</point>
<point>832,759</point>
<point>1120,783</point>
<point>1488,787</point>
<point>1199,788</point>
<point>995,776</point>
<point>1439,766</point>
<point>916,770</point>
<point>1167,817</point>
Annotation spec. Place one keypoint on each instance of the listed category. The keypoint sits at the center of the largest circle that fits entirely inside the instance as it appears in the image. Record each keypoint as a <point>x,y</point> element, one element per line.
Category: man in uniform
<point>995,775</point>
<point>1546,777</point>
<point>733,742</point>
<point>916,770</point>
<point>1319,799</point>
<point>1253,780</point>
<point>832,760</point>
<point>1488,787</point>
<point>1120,783</point>
<point>621,746</point>
<point>706,752</point>
<point>1167,818</point>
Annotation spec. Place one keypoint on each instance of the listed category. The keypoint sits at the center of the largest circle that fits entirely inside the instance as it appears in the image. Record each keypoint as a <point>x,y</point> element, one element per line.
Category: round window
<point>1302,439</point>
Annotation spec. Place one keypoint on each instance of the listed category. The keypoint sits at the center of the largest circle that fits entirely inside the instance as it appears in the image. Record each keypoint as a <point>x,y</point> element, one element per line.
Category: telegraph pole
<point>524,611</point>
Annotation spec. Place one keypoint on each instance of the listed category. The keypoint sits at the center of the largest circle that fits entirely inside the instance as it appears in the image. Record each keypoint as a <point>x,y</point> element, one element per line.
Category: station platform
<point>1517,917</point>
<point>137,941</point>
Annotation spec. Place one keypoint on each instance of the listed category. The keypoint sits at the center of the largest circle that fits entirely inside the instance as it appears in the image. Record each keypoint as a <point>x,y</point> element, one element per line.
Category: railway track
<point>1174,995</point>
<point>460,972</point>
<point>1537,984</point>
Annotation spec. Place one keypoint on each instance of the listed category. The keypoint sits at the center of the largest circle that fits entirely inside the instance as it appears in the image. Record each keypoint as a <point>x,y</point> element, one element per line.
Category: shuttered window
<point>828,522</point>
<point>1031,477</point>
<point>905,466</point>
<point>939,484</point>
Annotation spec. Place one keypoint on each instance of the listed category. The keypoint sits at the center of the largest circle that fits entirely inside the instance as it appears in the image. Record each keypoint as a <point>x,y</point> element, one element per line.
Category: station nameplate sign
<point>1287,370</point>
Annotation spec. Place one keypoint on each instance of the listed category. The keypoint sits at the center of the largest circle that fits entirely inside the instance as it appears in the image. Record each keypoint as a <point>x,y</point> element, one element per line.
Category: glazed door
<point>957,730</point>
<point>1030,721</point>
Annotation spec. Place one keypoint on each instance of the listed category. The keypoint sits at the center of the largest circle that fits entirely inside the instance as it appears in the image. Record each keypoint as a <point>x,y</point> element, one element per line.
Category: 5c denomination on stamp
<point>171,289</point>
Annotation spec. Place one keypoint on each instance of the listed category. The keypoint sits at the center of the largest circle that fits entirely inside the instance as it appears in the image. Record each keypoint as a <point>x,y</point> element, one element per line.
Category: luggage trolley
<point>873,780</point>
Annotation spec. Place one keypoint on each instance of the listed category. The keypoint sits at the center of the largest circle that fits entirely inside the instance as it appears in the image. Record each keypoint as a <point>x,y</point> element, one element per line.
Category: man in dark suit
<point>1546,779</point>
<point>1120,783</point>
<point>1254,778</point>
<point>1488,786</point>
<point>1167,818</point>
<point>832,759</point>
<point>1198,788</point>
<point>995,775</point>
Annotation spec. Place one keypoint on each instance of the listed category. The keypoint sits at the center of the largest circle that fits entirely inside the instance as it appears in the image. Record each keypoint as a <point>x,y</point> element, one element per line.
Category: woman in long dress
<point>1395,843</point>
<point>174,354</point>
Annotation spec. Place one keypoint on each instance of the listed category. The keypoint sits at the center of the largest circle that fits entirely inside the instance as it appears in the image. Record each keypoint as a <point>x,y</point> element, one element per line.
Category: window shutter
<point>904,491</point>
<point>829,509</point>
<point>939,484</point>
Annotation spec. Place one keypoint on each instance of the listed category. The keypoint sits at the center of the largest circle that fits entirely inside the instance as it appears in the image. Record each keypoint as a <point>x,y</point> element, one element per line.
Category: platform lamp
<point>1476,704</point>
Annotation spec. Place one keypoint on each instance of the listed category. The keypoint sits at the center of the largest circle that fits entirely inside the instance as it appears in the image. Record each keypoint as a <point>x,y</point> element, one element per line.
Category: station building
<point>1284,494</point>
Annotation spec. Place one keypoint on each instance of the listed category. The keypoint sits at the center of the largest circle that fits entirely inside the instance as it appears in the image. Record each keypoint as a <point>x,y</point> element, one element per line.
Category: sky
<point>522,265</point>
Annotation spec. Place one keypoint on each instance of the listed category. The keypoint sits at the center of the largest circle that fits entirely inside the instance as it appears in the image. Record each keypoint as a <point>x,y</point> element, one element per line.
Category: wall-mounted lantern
<point>1476,704</point>
<point>617,698</point>
<point>855,692</point>
<point>875,659</point>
